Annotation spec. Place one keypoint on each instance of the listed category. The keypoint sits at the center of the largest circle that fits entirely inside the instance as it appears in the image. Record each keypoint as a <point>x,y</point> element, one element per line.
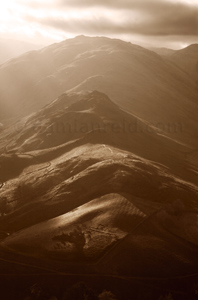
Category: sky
<point>158,23</point>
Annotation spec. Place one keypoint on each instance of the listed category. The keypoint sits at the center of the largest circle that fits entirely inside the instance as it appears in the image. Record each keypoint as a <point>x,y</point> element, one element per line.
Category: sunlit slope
<point>49,172</point>
<point>73,120</point>
<point>92,205</point>
<point>139,80</point>
<point>85,183</point>
<point>83,233</point>
<point>118,234</point>
<point>49,189</point>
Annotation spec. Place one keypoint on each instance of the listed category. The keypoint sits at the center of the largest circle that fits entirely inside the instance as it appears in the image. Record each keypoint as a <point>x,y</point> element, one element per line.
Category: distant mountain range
<point>147,85</point>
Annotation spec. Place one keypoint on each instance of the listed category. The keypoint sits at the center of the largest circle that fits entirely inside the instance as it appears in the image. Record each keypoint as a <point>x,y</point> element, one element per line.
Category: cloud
<point>176,19</point>
<point>143,5</point>
<point>117,18</point>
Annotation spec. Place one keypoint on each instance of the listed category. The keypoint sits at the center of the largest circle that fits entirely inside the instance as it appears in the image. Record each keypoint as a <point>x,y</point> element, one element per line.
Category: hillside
<point>98,174</point>
<point>187,60</point>
<point>137,79</point>
<point>73,193</point>
<point>163,51</point>
<point>82,118</point>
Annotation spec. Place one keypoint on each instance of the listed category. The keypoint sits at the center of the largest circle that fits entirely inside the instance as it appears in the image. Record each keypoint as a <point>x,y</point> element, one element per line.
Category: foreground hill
<point>77,119</point>
<point>139,80</point>
<point>92,199</point>
<point>92,193</point>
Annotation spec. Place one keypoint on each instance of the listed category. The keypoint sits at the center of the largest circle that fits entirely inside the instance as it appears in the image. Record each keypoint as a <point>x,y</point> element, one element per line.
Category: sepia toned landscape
<point>98,170</point>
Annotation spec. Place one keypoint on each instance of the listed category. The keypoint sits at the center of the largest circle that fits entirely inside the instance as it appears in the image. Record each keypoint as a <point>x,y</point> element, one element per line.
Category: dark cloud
<point>142,5</point>
<point>176,19</point>
<point>169,23</point>
<point>126,4</point>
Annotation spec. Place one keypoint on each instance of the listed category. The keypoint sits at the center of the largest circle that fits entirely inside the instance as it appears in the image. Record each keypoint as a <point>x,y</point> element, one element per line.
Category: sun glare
<point>5,8</point>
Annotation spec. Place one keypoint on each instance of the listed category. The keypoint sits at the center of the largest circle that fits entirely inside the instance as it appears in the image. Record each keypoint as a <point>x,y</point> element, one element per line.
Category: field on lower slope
<point>86,231</point>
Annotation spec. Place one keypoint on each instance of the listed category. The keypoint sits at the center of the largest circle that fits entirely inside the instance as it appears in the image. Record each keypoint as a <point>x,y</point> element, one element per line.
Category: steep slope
<point>187,60</point>
<point>137,79</point>
<point>77,119</point>
<point>50,155</point>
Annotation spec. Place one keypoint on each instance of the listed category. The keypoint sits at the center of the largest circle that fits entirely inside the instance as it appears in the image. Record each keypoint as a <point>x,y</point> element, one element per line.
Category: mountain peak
<point>81,36</point>
<point>93,100</point>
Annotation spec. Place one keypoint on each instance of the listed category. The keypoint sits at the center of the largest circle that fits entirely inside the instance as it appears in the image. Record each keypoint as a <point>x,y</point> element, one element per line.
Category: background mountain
<point>163,51</point>
<point>149,86</point>
<point>13,48</point>
<point>187,60</point>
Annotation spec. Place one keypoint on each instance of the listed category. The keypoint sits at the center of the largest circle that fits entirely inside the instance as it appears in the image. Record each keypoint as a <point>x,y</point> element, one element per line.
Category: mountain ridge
<point>187,60</point>
<point>135,78</point>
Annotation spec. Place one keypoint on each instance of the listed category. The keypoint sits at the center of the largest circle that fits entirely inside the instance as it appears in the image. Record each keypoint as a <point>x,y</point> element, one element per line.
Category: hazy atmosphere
<point>99,150</point>
<point>161,23</point>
